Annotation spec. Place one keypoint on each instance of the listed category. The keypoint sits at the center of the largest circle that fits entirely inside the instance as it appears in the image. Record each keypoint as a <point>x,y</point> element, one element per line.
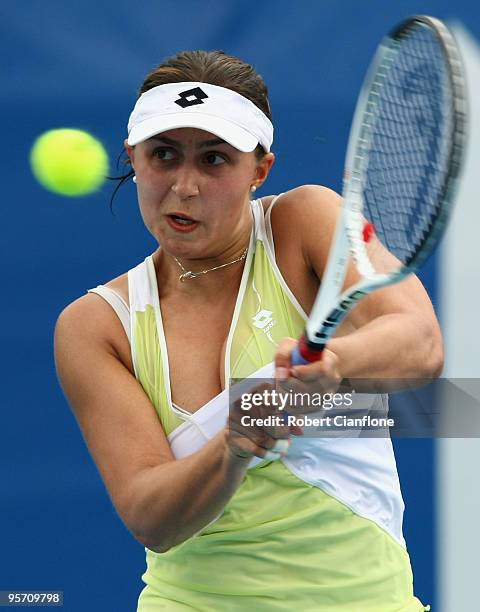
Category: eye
<point>164,154</point>
<point>215,159</point>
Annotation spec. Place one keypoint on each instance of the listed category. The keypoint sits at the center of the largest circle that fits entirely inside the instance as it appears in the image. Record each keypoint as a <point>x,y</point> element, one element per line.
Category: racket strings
<point>408,143</point>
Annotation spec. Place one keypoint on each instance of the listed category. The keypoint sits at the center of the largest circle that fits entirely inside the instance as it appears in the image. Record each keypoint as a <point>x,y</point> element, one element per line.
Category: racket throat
<point>310,351</point>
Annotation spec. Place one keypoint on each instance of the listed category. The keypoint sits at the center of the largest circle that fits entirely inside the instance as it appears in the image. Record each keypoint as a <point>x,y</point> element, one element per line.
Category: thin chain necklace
<point>186,274</point>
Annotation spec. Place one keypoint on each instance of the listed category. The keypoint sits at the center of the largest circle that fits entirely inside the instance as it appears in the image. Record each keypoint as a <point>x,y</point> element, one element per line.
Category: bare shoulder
<point>306,199</point>
<point>88,315</point>
<point>303,210</point>
<point>91,319</point>
<point>304,218</point>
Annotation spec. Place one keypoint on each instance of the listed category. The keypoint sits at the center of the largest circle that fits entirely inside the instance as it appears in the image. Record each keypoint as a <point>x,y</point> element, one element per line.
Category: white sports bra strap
<point>117,303</point>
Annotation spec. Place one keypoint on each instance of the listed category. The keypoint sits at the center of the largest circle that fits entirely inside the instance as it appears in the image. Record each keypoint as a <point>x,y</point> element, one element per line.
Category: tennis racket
<point>402,168</point>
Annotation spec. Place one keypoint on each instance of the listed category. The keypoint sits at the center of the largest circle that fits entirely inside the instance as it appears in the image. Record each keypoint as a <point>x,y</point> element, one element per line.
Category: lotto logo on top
<point>191,97</point>
<point>264,320</point>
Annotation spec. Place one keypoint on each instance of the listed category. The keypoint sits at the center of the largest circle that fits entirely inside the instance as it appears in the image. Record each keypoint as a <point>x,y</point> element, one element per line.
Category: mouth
<point>182,222</point>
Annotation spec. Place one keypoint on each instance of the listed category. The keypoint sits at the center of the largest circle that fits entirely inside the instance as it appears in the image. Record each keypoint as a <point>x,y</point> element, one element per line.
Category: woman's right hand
<point>258,431</point>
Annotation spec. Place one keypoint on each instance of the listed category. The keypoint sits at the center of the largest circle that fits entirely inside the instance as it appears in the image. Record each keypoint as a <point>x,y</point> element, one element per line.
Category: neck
<point>189,274</point>
<point>200,275</point>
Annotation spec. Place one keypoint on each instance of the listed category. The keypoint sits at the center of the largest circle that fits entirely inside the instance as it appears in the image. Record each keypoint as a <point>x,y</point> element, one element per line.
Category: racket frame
<point>331,304</point>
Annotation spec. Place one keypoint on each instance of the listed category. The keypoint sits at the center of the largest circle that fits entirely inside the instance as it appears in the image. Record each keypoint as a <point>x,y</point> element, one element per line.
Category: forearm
<point>392,346</point>
<point>173,501</point>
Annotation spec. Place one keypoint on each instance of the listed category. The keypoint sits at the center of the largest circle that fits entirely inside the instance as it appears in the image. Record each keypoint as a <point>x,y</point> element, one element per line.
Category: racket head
<point>402,168</point>
<point>406,148</point>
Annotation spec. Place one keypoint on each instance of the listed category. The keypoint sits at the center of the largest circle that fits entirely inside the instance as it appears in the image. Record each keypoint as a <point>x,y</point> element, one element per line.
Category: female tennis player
<point>243,520</point>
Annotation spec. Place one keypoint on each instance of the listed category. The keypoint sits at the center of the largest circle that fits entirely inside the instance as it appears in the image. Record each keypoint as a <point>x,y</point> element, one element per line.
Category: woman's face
<point>193,190</point>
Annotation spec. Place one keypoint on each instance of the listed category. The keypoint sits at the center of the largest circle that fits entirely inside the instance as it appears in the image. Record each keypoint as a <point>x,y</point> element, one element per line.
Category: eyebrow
<point>206,143</point>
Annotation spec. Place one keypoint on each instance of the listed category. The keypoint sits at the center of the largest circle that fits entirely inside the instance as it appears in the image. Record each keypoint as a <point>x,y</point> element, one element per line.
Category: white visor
<point>217,110</point>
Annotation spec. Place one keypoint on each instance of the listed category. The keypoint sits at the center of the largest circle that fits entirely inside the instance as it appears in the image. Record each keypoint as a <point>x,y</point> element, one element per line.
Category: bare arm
<point>392,333</point>
<point>162,501</point>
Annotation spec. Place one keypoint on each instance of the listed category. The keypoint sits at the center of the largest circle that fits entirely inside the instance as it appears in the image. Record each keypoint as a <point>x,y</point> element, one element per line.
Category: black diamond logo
<point>191,97</point>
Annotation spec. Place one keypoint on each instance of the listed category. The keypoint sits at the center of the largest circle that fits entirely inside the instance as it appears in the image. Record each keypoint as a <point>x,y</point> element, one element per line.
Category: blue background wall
<point>79,64</point>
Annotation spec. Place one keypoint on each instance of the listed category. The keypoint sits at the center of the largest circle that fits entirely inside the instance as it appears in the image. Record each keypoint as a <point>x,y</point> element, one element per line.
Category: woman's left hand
<point>321,376</point>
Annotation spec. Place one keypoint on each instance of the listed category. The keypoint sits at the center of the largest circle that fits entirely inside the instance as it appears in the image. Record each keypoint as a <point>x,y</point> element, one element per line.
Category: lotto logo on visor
<point>217,110</point>
<point>191,97</point>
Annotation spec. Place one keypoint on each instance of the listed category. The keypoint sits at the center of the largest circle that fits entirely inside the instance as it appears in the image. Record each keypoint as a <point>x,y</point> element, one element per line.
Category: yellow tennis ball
<point>69,162</point>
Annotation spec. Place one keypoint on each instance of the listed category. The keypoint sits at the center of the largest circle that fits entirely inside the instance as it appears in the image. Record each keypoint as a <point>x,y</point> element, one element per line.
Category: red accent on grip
<point>307,352</point>
<point>368,232</point>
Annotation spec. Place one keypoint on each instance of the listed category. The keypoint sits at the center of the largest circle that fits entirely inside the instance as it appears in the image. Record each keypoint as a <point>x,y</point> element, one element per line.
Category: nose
<point>185,183</point>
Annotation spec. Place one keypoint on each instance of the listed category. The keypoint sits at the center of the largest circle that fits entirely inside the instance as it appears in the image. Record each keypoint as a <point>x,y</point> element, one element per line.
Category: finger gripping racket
<point>402,167</point>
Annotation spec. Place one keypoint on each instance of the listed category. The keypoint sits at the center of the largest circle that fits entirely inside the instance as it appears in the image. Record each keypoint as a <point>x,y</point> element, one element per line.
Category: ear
<point>130,151</point>
<point>262,169</point>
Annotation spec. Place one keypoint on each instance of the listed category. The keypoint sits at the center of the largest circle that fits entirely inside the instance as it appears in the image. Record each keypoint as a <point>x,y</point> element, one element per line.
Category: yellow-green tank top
<point>319,531</point>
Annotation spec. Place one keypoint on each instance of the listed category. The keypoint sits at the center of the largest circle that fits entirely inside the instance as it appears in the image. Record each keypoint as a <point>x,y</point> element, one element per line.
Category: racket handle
<point>303,353</point>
